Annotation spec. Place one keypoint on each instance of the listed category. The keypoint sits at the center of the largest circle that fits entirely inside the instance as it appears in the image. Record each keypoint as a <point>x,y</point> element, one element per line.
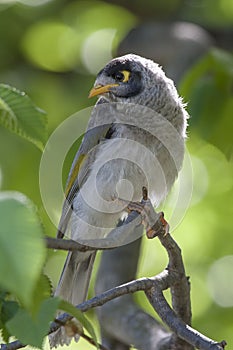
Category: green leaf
<point>5,334</point>
<point>72,310</point>
<point>3,294</point>
<point>208,89</point>
<point>22,251</point>
<point>32,330</point>
<point>19,114</point>
<point>43,290</point>
<point>8,311</point>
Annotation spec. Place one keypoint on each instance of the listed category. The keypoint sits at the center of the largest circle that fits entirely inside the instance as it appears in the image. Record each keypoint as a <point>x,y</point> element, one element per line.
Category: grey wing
<point>79,170</point>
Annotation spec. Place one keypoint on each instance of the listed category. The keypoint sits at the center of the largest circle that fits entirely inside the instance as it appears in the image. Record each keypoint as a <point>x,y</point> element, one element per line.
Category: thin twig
<point>162,281</point>
<point>76,328</point>
<point>66,244</point>
<point>180,290</point>
<point>153,288</point>
<point>116,238</point>
<point>91,341</point>
<point>181,329</point>
<point>14,345</point>
<point>177,319</point>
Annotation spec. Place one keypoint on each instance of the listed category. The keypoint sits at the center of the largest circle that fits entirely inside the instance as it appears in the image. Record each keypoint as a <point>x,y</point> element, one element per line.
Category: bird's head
<point>139,81</point>
<point>126,77</point>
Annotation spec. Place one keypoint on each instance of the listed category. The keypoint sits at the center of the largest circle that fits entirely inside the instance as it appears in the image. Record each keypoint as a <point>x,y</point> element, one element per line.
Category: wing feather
<point>79,170</point>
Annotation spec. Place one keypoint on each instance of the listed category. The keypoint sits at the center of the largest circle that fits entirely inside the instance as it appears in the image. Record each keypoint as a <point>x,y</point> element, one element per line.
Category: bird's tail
<point>73,287</point>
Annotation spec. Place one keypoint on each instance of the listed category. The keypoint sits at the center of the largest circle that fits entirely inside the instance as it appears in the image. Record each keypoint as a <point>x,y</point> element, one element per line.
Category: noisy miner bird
<point>135,138</point>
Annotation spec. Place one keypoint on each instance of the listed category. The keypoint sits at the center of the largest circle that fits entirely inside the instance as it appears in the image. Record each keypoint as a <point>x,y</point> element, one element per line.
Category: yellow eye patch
<point>126,74</point>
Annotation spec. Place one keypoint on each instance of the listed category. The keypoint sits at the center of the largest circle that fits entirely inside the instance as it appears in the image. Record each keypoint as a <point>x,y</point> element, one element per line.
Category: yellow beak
<point>100,89</point>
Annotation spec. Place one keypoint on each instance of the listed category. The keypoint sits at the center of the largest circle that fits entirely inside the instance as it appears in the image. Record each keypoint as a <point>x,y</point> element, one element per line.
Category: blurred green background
<point>52,51</point>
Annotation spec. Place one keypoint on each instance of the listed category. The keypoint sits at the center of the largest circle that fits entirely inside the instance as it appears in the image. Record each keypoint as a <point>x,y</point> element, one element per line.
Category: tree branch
<point>180,289</point>
<point>122,321</point>
<point>66,244</point>
<point>177,319</point>
<point>117,237</point>
<point>153,288</point>
<point>181,329</point>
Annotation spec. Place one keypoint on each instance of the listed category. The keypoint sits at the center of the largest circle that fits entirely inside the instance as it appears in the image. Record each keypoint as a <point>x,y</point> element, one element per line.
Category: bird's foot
<point>160,227</point>
<point>154,223</point>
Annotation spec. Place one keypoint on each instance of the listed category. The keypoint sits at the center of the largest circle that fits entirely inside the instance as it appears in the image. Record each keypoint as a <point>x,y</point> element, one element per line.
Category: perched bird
<point>135,138</point>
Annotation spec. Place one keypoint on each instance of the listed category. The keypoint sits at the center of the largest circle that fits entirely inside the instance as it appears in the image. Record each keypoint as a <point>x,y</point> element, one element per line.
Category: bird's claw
<point>160,226</point>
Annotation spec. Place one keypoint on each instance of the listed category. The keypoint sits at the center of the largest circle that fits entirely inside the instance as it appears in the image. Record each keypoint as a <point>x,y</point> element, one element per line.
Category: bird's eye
<point>122,76</point>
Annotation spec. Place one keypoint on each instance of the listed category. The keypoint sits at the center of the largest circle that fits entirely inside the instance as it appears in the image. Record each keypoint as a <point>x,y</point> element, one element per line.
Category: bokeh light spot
<point>52,46</point>
<point>198,287</point>
<point>179,198</point>
<point>97,49</point>
<point>90,16</point>
<point>227,8</point>
<point>220,281</point>
<point>33,2</point>
<point>124,189</point>
<point>200,180</point>
<point>24,2</point>
<point>5,2</point>
<point>0,178</point>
